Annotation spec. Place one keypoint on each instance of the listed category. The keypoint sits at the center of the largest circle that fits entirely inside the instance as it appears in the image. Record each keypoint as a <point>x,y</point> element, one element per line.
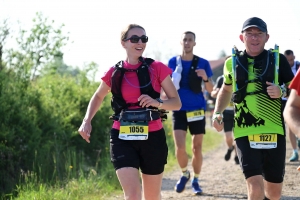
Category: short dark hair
<point>190,32</point>
<point>288,52</point>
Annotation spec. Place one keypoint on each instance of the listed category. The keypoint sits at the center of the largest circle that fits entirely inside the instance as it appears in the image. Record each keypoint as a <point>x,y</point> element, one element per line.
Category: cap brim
<point>259,27</point>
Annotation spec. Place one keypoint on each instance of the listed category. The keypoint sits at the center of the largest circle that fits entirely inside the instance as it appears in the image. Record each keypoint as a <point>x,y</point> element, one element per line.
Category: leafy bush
<point>39,129</point>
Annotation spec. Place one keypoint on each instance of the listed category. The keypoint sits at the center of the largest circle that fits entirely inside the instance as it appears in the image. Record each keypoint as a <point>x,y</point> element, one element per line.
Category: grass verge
<point>105,185</point>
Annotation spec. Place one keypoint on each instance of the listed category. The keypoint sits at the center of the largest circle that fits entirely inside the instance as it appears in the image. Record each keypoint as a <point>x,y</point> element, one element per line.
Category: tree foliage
<point>37,47</point>
<point>42,103</point>
<point>3,36</point>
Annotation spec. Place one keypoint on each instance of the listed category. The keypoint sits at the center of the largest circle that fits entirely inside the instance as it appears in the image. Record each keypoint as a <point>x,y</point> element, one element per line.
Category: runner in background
<point>228,121</point>
<point>210,106</point>
<point>190,72</point>
<point>289,54</point>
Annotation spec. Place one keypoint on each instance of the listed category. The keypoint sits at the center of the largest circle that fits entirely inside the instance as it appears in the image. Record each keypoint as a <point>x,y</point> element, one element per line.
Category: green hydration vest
<point>266,60</point>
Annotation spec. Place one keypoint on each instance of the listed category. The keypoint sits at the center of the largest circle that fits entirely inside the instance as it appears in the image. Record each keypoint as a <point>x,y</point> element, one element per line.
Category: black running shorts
<point>270,163</point>
<point>148,155</point>
<point>228,121</point>
<point>180,123</point>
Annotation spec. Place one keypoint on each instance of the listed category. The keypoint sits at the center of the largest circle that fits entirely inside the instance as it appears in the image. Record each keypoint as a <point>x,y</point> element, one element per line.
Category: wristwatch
<point>160,102</point>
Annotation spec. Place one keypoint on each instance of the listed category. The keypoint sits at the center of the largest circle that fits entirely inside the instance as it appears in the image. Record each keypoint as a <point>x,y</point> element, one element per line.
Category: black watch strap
<point>160,102</point>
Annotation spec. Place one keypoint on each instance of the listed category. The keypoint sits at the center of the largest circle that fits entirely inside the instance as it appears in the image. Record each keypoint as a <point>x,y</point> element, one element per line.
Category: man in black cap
<point>252,80</point>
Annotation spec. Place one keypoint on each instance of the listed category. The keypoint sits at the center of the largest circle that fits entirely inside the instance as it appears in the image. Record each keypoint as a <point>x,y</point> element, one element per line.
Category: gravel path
<point>224,180</point>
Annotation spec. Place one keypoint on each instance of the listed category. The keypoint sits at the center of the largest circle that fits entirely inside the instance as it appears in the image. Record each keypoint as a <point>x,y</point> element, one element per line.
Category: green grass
<point>102,185</point>
<point>90,188</point>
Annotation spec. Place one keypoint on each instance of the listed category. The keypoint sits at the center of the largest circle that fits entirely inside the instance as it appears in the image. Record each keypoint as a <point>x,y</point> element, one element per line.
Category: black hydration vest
<point>117,102</point>
<point>194,80</point>
<point>265,61</point>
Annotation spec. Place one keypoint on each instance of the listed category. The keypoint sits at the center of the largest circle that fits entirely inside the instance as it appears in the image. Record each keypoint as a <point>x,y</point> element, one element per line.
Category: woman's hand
<point>85,130</point>
<point>146,101</point>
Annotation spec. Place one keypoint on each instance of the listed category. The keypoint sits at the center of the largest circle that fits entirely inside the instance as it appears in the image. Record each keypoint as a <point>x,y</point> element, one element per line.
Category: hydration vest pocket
<point>238,96</point>
<point>117,105</point>
<point>195,82</point>
<point>139,114</point>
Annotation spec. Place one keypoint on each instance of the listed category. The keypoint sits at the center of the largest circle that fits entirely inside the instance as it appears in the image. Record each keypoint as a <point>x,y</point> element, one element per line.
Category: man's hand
<point>217,120</point>
<point>201,73</point>
<point>274,91</point>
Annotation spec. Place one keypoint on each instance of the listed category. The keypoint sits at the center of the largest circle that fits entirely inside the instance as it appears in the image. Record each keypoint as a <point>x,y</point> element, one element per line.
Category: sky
<point>94,26</point>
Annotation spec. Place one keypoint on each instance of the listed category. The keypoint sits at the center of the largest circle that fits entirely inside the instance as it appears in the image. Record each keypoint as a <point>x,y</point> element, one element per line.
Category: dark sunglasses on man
<point>136,39</point>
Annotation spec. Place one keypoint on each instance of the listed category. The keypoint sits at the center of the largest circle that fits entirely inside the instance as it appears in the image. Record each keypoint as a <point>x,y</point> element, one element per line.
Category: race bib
<point>263,141</point>
<point>133,130</point>
<point>195,115</point>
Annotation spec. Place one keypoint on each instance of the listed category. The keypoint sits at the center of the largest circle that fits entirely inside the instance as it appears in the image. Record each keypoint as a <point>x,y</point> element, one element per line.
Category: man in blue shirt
<point>190,72</point>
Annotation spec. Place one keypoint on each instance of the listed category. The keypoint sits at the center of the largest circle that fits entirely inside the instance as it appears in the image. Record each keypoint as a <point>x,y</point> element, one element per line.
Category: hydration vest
<point>117,102</point>
<point>265,61</point>
<point>193,79</point>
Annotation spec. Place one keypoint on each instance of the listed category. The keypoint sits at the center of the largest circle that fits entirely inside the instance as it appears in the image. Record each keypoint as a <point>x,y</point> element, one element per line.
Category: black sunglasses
<point>136,39</point>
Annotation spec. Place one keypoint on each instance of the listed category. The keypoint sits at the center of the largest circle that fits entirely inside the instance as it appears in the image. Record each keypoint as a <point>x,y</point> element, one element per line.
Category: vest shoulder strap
<point>193,79</point>
<point>149,61</point>
<point>195,61</point>
<point>119,65</point>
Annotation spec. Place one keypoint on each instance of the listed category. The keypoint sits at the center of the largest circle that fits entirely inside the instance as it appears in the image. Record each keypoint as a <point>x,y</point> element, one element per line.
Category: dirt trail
<point>224,180</point>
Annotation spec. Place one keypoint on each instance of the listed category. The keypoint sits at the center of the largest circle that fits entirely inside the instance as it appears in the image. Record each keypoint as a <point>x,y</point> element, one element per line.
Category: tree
<point>37,47</point>
<point>57,66</point>
<point>4,32</point>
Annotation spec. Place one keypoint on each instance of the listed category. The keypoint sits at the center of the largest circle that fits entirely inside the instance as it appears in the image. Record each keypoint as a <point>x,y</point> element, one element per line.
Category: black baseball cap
<point>255,22</point>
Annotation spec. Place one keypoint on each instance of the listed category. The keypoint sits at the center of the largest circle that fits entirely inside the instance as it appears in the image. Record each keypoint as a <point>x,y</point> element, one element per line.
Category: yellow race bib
<point>263,141</point>
<point>195,115</point>
<point>133,130</point>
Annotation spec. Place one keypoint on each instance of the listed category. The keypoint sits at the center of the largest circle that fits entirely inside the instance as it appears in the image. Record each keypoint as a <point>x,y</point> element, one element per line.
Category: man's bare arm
<point>223,98</point>
<point>209,85</point>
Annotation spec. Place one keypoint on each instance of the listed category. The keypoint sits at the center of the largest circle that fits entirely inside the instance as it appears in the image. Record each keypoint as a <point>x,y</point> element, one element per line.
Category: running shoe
<point>180,185</point>
<point>294,157</point>
<point>236,159</point>
<point>228,154</point>
<point>196,188</point>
